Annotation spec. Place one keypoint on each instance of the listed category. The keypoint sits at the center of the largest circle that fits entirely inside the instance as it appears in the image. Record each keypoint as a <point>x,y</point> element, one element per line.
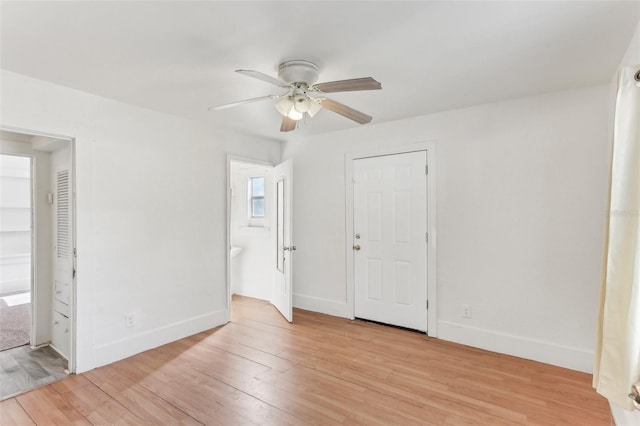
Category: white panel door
<point>282,296</point>
<point>390,247</point>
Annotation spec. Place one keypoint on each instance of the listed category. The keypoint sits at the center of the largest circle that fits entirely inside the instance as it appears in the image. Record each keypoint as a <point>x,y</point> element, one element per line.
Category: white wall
<point>521,202</point>
<point>252,269</point>
<point>632,56</point>
<point>151,234</point>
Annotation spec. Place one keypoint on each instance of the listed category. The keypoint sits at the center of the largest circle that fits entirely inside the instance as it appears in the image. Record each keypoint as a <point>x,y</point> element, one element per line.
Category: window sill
<point>266,228</point>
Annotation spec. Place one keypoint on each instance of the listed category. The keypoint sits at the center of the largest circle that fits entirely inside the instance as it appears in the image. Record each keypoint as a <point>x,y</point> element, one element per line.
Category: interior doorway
<point>259,233</point>
<point>38,248</point>
<point>250,214</point>
<point>15,250</point>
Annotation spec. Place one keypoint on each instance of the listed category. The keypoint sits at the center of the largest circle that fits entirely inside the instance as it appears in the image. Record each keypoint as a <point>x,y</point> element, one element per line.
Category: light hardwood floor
<point>320,370</point>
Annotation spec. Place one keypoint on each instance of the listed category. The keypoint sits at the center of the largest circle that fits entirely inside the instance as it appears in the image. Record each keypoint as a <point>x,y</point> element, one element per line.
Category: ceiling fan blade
<point>246,101</point>
<point>262,76</point>
<point>365,83</point>
<point>288,124</point>
<point>345,111</point>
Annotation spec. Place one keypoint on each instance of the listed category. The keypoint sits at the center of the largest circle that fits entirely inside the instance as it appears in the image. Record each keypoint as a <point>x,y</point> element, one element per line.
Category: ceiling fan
<point>303,98</point>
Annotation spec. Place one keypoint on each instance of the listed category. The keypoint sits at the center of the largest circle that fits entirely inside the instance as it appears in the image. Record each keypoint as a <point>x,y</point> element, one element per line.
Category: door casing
<point>430,148</point>
<point>71,361</point>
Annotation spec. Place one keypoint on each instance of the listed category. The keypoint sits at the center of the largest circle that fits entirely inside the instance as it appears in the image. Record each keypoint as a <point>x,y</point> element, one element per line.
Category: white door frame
<point>432,276</point>
<point>235,159</point>
<point>71,361</point>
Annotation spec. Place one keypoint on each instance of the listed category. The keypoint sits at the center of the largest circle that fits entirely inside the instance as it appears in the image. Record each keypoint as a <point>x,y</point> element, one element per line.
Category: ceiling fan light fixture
<point>286,107</point>
<point>295,115</point>
<point>314,107</point>
<point>301,103</point>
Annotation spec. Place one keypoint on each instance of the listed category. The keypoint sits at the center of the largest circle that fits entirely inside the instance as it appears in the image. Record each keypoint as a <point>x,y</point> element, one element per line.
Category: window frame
<point>256,221</point>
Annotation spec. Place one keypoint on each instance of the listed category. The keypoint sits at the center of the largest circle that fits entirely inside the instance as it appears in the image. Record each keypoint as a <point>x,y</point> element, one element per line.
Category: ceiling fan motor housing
<point>298,72</point>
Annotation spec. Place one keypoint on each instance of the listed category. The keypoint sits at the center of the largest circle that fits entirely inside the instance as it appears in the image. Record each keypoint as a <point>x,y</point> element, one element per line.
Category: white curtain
<point>617,361</point>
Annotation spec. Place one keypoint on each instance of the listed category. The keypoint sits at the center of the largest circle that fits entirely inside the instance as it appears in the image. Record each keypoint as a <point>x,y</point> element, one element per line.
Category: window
<point>256,197</point>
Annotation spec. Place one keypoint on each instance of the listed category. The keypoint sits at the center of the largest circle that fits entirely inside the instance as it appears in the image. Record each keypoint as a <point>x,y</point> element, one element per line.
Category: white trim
<point>248,160</point>
<point>34,253</point>
<point>334,308</point>
<point>74,253</point>
<point>245,160</point>
<point>432,247</point>
<point>27,132</point>
<point>523,347</point>
<point>140,342</point>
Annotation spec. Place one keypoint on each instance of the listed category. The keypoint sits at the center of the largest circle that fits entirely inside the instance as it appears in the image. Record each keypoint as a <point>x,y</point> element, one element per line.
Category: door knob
<point>356,247</point>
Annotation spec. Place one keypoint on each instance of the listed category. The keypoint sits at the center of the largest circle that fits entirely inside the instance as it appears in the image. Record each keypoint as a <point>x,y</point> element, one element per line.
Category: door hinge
<point>427,304</point>
<point>426,236</point>
<point>426,169</point>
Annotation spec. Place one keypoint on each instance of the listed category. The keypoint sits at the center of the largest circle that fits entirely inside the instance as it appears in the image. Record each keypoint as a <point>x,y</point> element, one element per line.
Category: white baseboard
<point>251,294</point>
<point>623,417</point>
<point>510,344</point>
<point>324,306</point>
<point>132,345</point>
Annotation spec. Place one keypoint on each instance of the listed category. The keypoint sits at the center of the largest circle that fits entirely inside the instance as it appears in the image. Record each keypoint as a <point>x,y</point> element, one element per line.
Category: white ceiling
<point>179,57</point>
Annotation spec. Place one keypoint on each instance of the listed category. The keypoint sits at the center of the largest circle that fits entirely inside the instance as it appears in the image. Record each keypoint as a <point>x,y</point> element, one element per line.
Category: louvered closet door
<point>63,260</point>
<point>390,253</point>
<point>63,213</point>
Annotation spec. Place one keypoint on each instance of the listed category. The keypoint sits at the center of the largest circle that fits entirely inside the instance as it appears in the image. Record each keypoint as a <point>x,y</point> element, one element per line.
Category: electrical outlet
<point>129,320</point>
<point>466,311</point>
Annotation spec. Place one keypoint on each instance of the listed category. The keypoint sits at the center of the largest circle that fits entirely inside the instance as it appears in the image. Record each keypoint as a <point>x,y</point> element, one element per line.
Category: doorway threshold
<point>413,330</point>
<point>23,369</point>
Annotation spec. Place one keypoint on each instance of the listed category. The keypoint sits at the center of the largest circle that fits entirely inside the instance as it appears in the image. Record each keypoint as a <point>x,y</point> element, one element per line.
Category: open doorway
<point>15,251</point>
<point>259,233</point>
<point>38,256</point>
<point>251,256</point>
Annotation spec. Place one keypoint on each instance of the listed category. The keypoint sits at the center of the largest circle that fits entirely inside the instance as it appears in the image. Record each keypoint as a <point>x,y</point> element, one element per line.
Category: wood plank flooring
<point>321,370</point>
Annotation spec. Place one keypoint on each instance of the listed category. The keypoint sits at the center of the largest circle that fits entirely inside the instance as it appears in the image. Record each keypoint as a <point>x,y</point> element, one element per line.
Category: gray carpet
<point>15,322</point>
